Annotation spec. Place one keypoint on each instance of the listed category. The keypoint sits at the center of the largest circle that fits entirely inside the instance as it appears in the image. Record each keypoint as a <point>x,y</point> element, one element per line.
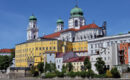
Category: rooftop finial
<point>76,3</point>
<point>32,14</point>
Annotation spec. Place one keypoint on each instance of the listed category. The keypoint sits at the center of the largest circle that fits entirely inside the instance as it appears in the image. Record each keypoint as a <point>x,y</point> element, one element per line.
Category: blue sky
<point>14,16</point>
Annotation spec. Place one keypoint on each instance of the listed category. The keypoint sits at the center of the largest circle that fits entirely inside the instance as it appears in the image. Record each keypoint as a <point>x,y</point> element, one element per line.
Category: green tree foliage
<point>100,66</point>
<point>50,67</point>
<point>87,64</point>
<point>71,74</point>
<point>83,74</point>
<point>5,62</point>
<point>40,67</point>
<point>64,69</point>
<point>69,67</point>
<point>59,74</point>
<point>50,75</point>
<point>90,73</point>
<point>115,73</point>
<point>33,71</point>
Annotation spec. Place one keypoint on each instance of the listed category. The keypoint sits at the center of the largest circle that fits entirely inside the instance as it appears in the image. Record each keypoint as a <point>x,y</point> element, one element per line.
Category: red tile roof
<point>57,34</point>
<point>71,29</point>
<point>5,50</point>
<point>53,35</point>
<point>76,59</point>
<point>90,26</point>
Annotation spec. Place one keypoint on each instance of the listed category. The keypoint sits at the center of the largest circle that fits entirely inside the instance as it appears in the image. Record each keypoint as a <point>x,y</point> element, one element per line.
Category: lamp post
<point>44,62</point>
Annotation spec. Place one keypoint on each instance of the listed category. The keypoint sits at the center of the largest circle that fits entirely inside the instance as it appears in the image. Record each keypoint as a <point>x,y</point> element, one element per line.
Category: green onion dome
<point>59,21</point>
<point>32,17</point>
<point>76,12</point>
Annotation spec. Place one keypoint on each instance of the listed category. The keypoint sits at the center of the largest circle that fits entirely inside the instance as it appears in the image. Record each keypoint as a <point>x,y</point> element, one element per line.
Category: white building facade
<point>107,48</point>
<point>59,63</point>
<point>94,45</point>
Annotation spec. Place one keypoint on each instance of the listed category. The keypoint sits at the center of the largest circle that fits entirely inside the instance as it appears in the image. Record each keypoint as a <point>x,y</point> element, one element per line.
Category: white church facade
<point>77,28</point>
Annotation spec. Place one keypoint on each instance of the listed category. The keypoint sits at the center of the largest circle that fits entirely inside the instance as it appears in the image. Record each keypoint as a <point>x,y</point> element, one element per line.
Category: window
<point>36,48</point>
<point>91,46</point>
<point>76,23</point>
<point>34,36</point>
<point>104,58</point>
<point>81,38</point>
<point>115,41</point>
<point>54,48</point>
<point>108,44</point>
<point>39,48</point>
<point>84,37</point>
<point>95,45</point>
<point>58,66</point>
<point>91,36</point>
<point>91,51</point>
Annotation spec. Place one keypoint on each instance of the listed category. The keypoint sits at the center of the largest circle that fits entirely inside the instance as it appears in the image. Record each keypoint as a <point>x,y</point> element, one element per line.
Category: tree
<point>64,68</point>
<point>90,73</point>
<point>50,67</point>
<point>100,66</point>
<point>69,66</point>
<point>4,62</point>
<point>115,73</point>
<point>33,71</point>
<point>40,67</point>
<point>87,63</point>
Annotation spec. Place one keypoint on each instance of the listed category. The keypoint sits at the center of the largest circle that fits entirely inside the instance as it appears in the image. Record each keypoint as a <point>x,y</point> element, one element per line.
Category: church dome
<point>59,21</point>
<point>32,17</point>
<point>76,12</point>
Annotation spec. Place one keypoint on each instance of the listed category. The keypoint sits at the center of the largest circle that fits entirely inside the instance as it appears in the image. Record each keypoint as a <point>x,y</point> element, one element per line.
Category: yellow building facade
<point>32,52</point>
<point>77,63</point>
<point>80,46</point>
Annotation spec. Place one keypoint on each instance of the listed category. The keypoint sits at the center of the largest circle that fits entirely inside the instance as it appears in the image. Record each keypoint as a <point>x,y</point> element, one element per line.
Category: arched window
<point>76,23</point>
<point>34,36</point>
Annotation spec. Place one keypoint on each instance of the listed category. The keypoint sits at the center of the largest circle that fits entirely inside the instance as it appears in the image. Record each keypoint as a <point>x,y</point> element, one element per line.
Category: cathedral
<point>77,28</point>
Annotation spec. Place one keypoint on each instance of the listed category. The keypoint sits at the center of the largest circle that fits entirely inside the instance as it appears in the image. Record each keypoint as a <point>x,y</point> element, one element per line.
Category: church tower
<point>76,19</point>
<point>60,25</point>
<point>32,31</point>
